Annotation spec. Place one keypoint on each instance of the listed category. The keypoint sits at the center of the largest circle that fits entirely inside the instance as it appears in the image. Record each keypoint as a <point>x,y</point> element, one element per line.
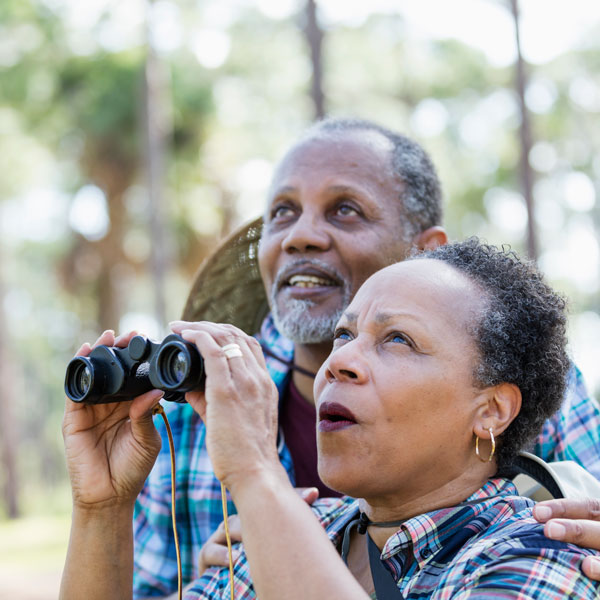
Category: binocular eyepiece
<point>111,374</point>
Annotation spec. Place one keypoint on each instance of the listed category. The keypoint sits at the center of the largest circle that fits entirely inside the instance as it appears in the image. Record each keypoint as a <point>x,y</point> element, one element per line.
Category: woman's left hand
<point>576,522</point>
<point>110,448</point>
<point>239,403</point>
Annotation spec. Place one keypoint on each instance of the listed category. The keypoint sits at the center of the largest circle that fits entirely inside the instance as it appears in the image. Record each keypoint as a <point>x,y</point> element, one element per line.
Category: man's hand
<point>574,521</point>
<point>214,552</point>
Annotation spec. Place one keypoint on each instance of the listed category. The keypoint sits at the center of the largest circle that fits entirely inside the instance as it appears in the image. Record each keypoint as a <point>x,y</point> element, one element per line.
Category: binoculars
<point>111,374</point>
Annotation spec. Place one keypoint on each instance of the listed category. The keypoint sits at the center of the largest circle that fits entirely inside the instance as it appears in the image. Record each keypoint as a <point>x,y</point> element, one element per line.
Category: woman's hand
<point>110,448</point>
<point>574,521</point>
<point>238,405</point>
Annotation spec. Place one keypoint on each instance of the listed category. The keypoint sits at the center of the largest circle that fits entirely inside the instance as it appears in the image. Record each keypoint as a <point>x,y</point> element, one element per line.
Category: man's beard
<point>294,321</point>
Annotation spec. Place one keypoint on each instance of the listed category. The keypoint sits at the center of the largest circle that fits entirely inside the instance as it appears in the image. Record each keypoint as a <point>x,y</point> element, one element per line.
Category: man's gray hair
<point>419,188</point>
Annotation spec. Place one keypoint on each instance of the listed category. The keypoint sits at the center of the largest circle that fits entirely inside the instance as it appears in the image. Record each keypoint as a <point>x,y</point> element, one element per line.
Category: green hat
<point>228,287</point>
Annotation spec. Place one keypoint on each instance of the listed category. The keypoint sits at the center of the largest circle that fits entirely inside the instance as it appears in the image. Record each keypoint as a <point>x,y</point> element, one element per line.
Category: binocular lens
<point>84,380</point>
<point>80,380</point>
<point>174,366</point>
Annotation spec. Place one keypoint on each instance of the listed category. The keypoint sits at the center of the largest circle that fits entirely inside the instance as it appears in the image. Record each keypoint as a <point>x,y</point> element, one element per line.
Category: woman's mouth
<point>334,416</point>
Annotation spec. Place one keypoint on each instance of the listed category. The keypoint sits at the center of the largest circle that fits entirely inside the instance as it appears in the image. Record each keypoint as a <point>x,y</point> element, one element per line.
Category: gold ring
<point>231,351</point>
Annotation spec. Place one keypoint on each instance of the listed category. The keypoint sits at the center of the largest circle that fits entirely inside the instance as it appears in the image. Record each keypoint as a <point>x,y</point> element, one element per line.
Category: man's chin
<point>297,322</point>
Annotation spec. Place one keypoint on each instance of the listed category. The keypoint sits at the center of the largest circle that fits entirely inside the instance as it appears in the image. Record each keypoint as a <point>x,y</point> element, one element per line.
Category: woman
<point>443,367</point>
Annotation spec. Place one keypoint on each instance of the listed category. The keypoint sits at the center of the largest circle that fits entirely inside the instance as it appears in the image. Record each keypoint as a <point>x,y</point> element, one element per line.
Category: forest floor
<point>32,554</point>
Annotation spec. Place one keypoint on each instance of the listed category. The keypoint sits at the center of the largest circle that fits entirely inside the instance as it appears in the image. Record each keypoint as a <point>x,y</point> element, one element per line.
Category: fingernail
<point>542,513</point>
<point>556,531</point>
<point>594,566</point>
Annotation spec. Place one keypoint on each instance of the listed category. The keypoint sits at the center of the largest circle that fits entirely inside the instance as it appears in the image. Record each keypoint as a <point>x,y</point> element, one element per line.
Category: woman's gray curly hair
<point>521,335</point>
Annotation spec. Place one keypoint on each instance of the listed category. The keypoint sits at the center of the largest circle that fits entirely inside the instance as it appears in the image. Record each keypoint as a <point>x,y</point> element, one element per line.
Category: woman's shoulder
<point>334,515</point>
<point>512,555</point>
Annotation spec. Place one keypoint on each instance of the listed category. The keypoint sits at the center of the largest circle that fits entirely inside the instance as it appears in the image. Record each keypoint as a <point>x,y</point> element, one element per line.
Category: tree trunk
<point>8,437</point>
<point>314,37</point>
<point>525,137</point>
<point>156,126</point>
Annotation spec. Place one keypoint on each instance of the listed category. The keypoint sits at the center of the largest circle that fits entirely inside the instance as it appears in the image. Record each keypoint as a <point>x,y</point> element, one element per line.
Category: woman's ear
<point>502,405</point>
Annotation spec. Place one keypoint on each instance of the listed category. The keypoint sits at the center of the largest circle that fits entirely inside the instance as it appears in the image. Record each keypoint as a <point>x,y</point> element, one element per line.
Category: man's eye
<point>281,212</point>
<point>347,211</point>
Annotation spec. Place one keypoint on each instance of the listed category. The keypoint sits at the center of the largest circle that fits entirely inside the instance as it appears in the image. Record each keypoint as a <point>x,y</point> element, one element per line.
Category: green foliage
<point>70,119</point>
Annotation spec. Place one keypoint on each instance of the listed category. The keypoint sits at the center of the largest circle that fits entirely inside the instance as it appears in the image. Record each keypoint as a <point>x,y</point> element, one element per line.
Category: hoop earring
<point>489,459</point>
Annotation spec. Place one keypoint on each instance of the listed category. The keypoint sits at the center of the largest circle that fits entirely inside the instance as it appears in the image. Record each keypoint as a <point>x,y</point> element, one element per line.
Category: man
<point>348,199</point>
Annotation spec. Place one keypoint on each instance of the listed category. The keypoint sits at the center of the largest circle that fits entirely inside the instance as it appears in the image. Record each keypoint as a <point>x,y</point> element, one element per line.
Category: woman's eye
<point>341,334</point>
<point>399,338</point>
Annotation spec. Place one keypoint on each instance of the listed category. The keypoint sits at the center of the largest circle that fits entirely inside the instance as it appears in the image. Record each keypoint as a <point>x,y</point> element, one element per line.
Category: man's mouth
<point>308,281</point>
<point>334,416</point>
<point>308,274</point>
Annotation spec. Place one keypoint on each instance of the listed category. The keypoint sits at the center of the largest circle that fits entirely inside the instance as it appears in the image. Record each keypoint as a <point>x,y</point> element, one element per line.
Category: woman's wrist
<point>109,510</point>
<point>254,482</point>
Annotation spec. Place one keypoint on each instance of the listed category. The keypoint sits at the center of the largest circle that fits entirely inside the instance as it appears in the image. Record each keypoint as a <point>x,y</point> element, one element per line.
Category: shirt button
<point>426,553</point>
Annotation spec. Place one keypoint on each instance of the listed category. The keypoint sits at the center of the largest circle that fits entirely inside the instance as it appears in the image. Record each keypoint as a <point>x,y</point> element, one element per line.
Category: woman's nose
<point>306,234</point>
<point>346,363</point>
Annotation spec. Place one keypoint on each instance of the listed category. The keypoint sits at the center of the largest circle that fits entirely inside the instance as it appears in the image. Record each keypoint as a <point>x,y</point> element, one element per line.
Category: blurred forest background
<point>136,134</point>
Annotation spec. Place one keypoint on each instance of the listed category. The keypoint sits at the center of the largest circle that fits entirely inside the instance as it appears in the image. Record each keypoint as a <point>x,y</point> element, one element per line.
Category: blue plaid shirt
<point>573,433</point>
<point>490,548</point>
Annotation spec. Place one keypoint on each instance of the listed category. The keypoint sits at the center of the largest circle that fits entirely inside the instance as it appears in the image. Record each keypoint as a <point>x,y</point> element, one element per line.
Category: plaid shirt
<point>574,433</point>
<point>490,548</point>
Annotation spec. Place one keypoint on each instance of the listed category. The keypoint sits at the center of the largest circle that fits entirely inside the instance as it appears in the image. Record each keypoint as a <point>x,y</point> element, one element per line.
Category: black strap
<point>528,466</point>
<point>361,523</point>
<point>288,363</point>
<point>385,586</point>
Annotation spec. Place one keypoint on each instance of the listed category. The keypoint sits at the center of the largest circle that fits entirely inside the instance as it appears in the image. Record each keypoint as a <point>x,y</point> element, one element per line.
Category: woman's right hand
<point>110,448</point>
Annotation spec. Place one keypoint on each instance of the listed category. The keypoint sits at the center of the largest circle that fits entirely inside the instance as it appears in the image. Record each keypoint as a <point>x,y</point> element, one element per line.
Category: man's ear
<point>502,405</point>
<point>430,238</point>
